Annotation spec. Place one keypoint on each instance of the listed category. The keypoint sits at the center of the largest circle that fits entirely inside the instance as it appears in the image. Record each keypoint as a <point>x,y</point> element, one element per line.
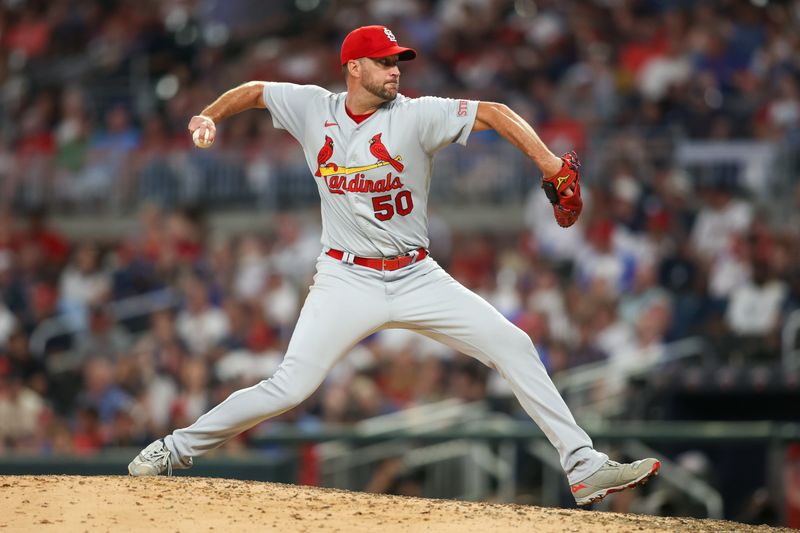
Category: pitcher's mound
<point>117,503</point>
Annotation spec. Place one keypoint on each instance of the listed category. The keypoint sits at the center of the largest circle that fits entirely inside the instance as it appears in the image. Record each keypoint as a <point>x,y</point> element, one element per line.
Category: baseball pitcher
<point>370,151</point>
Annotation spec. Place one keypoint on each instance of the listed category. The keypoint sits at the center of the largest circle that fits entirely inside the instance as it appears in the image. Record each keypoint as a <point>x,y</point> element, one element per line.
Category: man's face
<point>381,76</point>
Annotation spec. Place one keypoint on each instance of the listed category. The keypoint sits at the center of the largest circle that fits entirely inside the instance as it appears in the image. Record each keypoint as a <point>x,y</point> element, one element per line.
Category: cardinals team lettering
<point>359,183</point>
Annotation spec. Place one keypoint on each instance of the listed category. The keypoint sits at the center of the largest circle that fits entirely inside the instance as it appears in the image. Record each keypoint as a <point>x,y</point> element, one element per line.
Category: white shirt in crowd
<point>202,331</point>
<point>712,232</point>
<point>754,309</point>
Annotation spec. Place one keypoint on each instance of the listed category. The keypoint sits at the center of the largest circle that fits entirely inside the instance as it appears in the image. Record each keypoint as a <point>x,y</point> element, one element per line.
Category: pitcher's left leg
<point>432,302</point>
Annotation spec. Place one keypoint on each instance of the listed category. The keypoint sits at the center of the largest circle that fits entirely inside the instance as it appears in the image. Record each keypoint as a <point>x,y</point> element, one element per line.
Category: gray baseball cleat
<point>614,477</point>
<point>152,461</point>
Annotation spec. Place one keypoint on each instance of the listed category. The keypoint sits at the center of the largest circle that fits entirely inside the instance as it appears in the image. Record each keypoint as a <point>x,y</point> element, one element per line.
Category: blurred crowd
<point>96,95</point>
<point>95,100</point>
<point>209,313</point>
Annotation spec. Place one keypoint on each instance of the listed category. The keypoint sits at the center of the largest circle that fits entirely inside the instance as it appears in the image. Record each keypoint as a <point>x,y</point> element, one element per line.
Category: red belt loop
<point>382,263</point>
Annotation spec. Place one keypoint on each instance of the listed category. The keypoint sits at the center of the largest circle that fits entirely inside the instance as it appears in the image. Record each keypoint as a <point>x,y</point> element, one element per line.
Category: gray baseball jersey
<point>373,177</point>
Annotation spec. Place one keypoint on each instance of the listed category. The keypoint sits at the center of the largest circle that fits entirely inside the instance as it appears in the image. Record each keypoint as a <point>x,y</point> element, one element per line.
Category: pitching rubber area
<point>191,504</point>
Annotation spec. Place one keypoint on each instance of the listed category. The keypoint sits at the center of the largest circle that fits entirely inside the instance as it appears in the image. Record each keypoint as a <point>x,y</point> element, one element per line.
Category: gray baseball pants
<point>347,303</point>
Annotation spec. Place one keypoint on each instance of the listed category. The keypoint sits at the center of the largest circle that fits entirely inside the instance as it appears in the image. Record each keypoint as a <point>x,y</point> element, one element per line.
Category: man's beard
<point>380,90</point>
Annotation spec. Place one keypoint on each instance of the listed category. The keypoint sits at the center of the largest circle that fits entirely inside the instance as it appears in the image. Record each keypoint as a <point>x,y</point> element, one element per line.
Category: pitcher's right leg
<point>436,305</point>
<point>439,307</point>
<point>344,306</point>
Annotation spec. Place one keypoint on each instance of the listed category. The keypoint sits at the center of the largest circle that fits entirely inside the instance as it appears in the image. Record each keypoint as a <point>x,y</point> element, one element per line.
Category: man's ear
<point>354,68</point>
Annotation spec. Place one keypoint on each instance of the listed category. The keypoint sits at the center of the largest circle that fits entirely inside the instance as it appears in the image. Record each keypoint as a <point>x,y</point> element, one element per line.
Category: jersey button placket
<point>360,203</point>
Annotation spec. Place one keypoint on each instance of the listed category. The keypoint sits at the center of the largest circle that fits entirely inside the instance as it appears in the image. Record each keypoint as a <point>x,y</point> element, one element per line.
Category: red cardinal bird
<point>377,149</point>
<point>324,154</point>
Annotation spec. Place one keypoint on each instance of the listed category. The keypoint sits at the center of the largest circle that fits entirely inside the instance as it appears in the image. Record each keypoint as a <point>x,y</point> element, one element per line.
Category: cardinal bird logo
<point>377,149</point>
<point>324,154</point>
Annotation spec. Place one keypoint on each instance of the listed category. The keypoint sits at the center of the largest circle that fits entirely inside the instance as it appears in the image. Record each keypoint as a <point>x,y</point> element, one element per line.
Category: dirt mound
<point>116,503</point>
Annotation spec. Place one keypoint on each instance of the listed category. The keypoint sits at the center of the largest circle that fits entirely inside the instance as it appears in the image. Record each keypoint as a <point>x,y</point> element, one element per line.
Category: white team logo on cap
<point>390,35</point>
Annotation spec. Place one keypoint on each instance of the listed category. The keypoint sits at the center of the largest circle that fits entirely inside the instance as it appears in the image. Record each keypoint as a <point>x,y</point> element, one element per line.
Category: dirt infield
<point>116,503</point>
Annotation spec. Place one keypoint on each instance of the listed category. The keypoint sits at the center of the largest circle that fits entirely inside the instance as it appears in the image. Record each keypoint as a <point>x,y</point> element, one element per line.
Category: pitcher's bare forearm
<point>236,100</point>
<point>247,96</point>
<point>515,130</point>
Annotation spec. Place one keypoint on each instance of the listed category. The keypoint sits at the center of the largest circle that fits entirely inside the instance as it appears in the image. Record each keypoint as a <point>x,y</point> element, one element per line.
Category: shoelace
<point>159,456</point>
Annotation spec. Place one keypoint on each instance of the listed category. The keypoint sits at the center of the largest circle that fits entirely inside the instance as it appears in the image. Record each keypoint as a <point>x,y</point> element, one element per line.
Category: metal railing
<point>480,454</point>
<point>120,310</point>
<point>578,384</point>
<point>475,464</point>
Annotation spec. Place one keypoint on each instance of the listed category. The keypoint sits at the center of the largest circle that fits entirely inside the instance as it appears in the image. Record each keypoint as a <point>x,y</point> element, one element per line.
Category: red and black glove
<point>566,199</point>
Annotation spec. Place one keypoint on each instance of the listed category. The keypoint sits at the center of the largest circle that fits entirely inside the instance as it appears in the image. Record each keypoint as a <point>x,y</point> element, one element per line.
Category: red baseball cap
<point>373,41</point>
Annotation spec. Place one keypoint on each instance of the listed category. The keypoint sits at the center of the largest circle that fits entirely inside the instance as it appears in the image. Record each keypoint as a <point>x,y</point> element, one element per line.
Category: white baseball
<point>201,142</point>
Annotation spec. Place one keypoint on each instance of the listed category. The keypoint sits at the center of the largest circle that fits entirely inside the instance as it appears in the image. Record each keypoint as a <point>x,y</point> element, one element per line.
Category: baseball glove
<point>566,200</point>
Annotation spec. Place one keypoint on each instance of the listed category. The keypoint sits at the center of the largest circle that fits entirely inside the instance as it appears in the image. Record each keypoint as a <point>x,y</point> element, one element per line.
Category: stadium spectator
<point>83,283</point>
<point>103,337</point>
<point>22,363</point>
<point>200,325</point>
<point>101,396</point>
<point>20,410</point>
<point>754,311</point>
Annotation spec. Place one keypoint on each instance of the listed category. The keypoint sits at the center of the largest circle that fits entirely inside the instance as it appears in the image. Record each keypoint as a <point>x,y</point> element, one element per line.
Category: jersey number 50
<point>384,210</point>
